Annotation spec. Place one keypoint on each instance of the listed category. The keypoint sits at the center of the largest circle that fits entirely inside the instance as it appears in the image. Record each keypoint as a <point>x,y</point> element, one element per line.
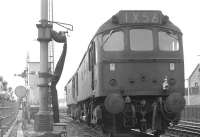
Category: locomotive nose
<point>114,103</point>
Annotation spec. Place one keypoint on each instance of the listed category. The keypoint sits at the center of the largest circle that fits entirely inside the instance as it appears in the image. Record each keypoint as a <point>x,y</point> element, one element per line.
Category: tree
<point>1,79</point>
<point>5,84</point>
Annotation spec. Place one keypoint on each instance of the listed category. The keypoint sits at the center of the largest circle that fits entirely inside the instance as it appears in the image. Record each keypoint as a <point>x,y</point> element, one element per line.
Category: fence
<point>191,113</point>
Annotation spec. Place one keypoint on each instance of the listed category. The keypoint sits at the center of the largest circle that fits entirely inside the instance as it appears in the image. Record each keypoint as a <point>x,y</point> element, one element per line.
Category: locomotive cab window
<point>141,40</point>
<point>113,41</point>
<point>168,41</point>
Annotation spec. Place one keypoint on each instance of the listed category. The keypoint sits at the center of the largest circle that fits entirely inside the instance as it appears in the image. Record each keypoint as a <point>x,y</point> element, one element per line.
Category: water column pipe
<point>43,119</point>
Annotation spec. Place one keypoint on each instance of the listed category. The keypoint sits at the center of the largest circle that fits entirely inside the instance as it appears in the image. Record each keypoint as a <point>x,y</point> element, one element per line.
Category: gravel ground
<point>77,129</point>
<point>13,133</point>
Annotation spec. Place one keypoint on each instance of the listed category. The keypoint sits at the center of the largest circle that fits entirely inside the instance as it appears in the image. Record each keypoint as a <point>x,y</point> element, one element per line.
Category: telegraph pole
<point>43,119</point>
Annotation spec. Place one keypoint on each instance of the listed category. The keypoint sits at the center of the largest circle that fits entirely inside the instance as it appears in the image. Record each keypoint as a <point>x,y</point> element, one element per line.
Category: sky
<point>18,32</point>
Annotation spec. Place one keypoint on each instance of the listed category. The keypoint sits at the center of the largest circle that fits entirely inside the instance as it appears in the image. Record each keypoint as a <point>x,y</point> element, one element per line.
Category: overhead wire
<point>52,10</point>
<point>50,20</point>
<point>52,28</point>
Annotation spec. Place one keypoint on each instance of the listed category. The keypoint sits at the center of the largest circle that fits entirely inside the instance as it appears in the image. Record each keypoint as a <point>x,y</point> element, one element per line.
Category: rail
<point>188,126</point>
<point>8,114</point>
<point>79,129</point>
<point>184,128</point>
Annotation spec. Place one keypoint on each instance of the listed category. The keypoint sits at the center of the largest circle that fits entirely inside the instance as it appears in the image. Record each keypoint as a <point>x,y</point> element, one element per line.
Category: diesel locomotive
<point>131,76</point>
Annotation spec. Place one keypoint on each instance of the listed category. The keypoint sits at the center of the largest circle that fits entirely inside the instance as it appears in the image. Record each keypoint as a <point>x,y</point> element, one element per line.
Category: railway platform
<point>28,131</point>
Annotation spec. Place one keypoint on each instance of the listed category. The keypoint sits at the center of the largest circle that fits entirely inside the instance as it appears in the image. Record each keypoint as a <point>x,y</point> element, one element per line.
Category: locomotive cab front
<point>149,61</point>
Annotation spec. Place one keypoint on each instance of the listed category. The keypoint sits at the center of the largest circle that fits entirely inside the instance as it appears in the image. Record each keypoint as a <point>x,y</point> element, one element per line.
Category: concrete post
<point>188,96</point>
<point>43,119</point>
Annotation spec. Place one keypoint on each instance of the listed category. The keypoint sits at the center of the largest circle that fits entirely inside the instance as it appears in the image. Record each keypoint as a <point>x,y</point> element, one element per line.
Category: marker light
<point>171,66</point>
<point>115,20</point>
<point>112,67</point>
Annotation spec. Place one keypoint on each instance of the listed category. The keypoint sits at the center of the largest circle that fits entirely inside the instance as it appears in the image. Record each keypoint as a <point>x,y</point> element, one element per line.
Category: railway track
<point>8,114</point>
<point>78,129</point>
<point>75,128</point>
<point>184,129</point>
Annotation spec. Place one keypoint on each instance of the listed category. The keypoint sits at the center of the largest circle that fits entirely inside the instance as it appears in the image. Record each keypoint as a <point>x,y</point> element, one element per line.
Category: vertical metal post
<point>44,10</point>
<point>43,119</point>
<point>188,97</point>
<point>1,131</point>
<point>43,89</point>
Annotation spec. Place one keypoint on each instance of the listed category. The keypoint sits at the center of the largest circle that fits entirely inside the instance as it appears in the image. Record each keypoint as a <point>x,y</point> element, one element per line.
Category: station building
<point>193,89</point>
<point>194,81</point>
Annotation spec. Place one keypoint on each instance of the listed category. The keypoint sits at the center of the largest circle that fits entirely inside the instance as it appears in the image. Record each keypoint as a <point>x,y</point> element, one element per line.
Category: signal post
<point>43,119</point>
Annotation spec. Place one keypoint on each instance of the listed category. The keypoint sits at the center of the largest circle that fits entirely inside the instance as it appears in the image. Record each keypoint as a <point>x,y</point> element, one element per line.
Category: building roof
<point>198,65</point>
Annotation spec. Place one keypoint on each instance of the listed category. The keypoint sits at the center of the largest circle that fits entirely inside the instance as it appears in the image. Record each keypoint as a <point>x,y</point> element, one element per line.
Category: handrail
<point>5,107</point>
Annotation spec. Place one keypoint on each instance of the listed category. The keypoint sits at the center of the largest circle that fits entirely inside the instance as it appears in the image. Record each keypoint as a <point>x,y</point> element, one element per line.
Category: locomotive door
<point>92,62</point>
<point>75,86</point>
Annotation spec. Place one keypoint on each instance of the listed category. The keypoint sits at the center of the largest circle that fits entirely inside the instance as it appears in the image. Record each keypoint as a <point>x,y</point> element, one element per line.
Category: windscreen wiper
<point>109,35</point>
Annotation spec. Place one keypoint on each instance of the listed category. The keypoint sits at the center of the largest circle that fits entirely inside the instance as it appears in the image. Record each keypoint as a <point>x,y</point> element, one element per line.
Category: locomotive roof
<point>137,18</point>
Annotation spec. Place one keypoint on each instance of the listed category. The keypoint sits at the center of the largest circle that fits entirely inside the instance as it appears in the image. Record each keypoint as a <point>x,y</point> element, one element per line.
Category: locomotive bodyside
<point>70,97</point>
<point>84,80</point>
